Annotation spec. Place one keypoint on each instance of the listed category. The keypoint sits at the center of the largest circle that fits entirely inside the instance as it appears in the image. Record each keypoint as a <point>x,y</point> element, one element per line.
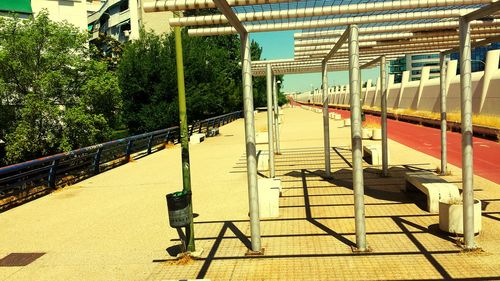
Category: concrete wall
<point>424,94</point>
<point>72,11</point>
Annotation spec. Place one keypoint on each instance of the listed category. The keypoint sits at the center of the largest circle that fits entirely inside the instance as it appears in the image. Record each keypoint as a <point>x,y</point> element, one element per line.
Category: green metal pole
<point>186,174</point>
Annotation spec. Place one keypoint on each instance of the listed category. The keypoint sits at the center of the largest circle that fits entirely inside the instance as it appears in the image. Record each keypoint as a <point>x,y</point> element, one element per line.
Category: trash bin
<point>179,209</point>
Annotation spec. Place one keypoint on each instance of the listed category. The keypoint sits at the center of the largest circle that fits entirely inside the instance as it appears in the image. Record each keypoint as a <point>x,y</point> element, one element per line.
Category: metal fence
<point>24,181</point>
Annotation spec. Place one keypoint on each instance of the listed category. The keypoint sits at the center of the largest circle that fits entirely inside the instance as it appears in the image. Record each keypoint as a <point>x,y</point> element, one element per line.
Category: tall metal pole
<point>186,174</point>
<point>357,164</point>
<point>276,115</point>
<point>270,135</point>
<point>466,110</point>
<point>253,195</point>
<point>326,120</point>
<point>442,96</point>
<point>383,101</point>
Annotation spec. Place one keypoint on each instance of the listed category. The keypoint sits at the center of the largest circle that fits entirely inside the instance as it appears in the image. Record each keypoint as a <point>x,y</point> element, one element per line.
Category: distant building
<point>478,56</point>
<point>72,11</point>
<point>396,68</point>
<point>122,20</point>
<point>414,64</point>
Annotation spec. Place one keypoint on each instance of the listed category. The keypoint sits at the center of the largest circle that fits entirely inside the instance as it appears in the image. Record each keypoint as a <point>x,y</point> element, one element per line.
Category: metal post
<point>383,120</point>
<point>51,179</point>
<point>276,115</point>
<point>270,138</point>
<point>253,195</point>
<point>150,143</point>
<point>326,120</point>
<point>97,161</point>
<point>357,164</point>
<point>442,96</point>
<point>128,150</point>
<point>466,110</point>
<point>184,137</point>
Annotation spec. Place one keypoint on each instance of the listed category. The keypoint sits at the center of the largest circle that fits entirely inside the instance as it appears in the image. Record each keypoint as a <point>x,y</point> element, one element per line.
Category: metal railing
<point>37,177</point>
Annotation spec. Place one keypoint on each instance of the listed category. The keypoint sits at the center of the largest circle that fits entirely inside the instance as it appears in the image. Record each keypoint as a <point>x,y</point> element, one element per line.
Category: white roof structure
<point>330,41</point>
<point>390,28</point>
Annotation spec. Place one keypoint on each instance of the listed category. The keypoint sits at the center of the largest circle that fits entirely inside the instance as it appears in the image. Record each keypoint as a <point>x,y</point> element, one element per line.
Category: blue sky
<point>279,45</point>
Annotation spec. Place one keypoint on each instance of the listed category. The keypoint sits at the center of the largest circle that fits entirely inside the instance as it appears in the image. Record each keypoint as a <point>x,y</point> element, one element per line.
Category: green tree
<point>61,98</point>
<point>147,76</point>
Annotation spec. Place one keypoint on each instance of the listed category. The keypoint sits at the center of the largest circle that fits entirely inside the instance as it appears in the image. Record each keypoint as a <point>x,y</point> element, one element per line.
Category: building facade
<point>122,20</point>
<point>72,11</point>
<point>478,56</point>
<point>414,64</point>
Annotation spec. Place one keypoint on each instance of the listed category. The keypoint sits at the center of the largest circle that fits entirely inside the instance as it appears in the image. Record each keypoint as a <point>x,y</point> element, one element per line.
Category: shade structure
<point>376,30</point>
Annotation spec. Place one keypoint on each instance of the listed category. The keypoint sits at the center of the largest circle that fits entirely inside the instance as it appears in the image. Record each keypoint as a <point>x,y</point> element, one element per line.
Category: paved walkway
<point>114,226</point>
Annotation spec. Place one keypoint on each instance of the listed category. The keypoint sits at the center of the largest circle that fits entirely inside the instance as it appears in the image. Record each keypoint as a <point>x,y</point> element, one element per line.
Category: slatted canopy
<point>349,34</point>
<point>390,28</point>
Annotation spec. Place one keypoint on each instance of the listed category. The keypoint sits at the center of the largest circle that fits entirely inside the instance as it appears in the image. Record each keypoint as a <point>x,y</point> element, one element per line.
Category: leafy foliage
<point>148,78</point>
<point>59,99</point>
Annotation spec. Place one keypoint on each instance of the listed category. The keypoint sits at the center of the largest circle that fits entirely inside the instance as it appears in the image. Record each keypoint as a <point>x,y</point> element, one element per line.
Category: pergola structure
<point>349,35</point>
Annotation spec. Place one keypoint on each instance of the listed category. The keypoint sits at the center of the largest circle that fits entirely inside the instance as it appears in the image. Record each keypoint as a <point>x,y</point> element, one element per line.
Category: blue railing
<point>25,181</point>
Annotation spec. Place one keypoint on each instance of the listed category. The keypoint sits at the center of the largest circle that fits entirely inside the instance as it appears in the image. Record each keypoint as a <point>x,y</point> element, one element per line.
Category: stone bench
<point>212,132</point>
<point>435,188</point>
<point>372,154</point>
<point>196,138</point>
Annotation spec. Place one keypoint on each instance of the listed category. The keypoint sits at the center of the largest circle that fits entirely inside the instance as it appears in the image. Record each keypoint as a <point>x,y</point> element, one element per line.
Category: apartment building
<point>122,20</point>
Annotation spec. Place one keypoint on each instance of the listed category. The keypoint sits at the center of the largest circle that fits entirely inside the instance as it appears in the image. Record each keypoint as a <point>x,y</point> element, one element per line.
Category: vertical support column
<point>270,135</point>
<point>442,103</point>
<point>184,135</point>
<point>276,115</point>
<point>253,196</point>
<point>357,164</point>
<point>326,120</point>
<point>383,120</point>
<point>466,112</point>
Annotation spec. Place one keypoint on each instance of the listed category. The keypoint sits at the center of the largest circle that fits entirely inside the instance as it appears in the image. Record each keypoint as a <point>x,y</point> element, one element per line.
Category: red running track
<point>486,153</point>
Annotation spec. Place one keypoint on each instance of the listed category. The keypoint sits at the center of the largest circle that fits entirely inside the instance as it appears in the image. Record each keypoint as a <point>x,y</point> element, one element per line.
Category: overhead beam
<point>373,62</point>
<point>226,10</point>
<point>483,12</point>
<point>475,44</point>
<point>323,11</point>
<point>337,46</point>
<point>393,36</point>
<point>183,5</point>
<point>425,27</point>
<point>452,13</point>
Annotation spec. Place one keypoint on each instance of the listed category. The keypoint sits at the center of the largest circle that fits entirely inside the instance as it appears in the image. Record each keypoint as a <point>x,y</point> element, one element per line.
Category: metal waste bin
<point>179,209</point>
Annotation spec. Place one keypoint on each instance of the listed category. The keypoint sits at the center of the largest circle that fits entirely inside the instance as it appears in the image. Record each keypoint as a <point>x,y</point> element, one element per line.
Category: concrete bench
<point>196,138</point>
<point>212,132</point>
<point>435,188</point>
<point>269,193</point>
<point>372,154</point>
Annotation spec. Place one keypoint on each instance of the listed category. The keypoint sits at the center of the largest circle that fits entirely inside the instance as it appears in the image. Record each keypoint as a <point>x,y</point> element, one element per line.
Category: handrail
<point>59,169</point>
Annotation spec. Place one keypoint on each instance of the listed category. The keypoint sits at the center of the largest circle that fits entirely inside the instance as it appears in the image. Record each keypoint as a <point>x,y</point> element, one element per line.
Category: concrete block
<point>338,116</point>
<point>366,133</point>
<point>212,132</point>
<point>269,193</point>
<point>451,216</point>
<point>377,134</point>
<point>196,138</point>
<point>347,122</point>
<point>374,152</point>
<point>262,160</point>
